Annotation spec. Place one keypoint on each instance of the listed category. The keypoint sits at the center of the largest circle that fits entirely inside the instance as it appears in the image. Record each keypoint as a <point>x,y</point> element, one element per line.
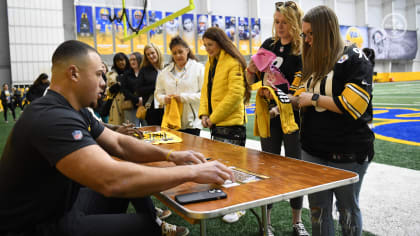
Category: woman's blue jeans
<point>347,201</point>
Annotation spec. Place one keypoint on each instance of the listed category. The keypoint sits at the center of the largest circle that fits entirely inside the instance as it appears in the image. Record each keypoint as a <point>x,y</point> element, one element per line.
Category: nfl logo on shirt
<point>77,135</point>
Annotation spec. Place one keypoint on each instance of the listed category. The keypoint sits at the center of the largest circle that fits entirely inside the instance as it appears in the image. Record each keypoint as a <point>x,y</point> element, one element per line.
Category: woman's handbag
<point>127,105</point>
<point>142,110</point>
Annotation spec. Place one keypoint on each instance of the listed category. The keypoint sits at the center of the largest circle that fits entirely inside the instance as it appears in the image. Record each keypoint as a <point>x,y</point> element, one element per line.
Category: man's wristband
<point>169,153</point>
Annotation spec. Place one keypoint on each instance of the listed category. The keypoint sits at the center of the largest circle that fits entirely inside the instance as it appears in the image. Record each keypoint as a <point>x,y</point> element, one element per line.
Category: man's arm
<point>91,166</point>
<point>134,150</point>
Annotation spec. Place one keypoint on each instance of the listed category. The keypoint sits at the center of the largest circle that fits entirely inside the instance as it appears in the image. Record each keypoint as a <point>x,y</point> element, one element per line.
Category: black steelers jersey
<point>350,85</point>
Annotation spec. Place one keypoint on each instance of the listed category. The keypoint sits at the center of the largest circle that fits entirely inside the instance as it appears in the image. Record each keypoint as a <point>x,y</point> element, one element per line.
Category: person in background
<point>182,80</point>
<point>151,65</point>
<point>224,94</point>
<point>41,187</point>
<point>25,101</point>
<point>17,97</point>
<point>120,66</point>
<point>7,102</point>
<point>130,82</point>
<point>335,111</point>
<point>285,44</point>
<point>38,88</point>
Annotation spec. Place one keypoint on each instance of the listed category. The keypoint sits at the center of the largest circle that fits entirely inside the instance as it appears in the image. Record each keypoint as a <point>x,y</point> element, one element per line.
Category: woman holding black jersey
<point>335,109</point>
<point>285,44</point>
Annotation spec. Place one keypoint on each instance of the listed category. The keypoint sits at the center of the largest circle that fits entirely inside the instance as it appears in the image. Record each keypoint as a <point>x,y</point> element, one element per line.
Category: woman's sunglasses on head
<point>286,4</point>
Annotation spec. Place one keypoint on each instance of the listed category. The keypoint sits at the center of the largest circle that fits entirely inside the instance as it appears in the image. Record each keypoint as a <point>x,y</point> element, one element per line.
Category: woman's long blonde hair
<point>293,14</point>
<point>327,45</point>
<point>146,61</point>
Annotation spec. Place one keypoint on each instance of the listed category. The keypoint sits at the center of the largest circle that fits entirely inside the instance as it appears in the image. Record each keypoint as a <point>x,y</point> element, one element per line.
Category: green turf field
<point>395,95</point>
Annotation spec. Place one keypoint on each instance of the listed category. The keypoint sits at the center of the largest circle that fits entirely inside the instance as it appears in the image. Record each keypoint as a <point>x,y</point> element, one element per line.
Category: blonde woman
<point>285,44</point>
<point>151,65</point>
<point>335,110</point>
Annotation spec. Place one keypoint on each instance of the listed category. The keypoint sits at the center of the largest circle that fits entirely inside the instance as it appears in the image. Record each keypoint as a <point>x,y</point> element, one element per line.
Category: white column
<point>387,8</point>
<point>361,12</point>
<point>331,4</point>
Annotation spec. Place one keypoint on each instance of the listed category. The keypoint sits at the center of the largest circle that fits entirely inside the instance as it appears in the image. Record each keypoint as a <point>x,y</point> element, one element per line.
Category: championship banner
<point>103,31</point>
<point>202,25</point>
<point>140,41</point>
<point>243,35</point>
<point>230,30</point>
<point>188,30</point>
<point>120,45</point>
<point>355,35</point>
<point>156,34</point>
<point>393,44</point>
<point>84,22</point>
<point>256,35</point>
<point>171,30</point>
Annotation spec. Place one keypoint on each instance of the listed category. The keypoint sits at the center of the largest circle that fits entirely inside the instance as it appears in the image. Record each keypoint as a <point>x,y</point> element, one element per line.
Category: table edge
<point>260,202</point>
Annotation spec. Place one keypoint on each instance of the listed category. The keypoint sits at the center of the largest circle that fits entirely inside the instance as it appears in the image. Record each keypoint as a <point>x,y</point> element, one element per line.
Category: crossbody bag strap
<point>212,71</point>
<point>149,101</point>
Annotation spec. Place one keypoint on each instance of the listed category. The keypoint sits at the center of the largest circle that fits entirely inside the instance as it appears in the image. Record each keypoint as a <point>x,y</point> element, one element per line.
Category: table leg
<point>203,228</point>
<point>264,219</point>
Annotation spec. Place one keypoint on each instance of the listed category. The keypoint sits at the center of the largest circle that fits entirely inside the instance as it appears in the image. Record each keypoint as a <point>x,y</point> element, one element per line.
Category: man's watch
<point>314,99</point>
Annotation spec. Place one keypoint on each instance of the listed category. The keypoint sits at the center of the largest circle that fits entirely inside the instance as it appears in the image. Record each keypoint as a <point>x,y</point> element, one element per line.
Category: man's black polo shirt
<point>32,190</point>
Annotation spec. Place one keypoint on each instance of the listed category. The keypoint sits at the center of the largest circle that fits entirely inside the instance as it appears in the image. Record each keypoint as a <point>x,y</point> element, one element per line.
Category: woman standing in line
<point>149,69</point>
<point>119,67</point>
<point>38,88</point>
<point>182,79</point>
<point>225,90</point>
<point>335,109</point>
<point>129,84</point>
<point>224,94</point>
<point>7,102</point>
<point>285,44</point>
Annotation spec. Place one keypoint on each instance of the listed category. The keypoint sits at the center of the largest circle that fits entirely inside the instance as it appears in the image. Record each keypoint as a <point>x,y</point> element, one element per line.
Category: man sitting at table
<point>57,146</point>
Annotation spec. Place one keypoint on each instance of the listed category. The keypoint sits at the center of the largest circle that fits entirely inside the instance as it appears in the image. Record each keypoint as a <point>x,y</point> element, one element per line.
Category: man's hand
<point>186,157</point>
<point>305,99</point>
<point>212,172</point>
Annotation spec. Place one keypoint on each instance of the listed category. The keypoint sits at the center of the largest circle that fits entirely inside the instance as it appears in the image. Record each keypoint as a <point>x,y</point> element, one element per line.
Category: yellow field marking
<point>409,115</point>
<point>395,140</point>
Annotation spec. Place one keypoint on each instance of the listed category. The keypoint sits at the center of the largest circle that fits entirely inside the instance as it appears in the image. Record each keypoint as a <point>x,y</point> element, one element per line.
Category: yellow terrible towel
<point>172,116</point>
<point>262,115</point>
